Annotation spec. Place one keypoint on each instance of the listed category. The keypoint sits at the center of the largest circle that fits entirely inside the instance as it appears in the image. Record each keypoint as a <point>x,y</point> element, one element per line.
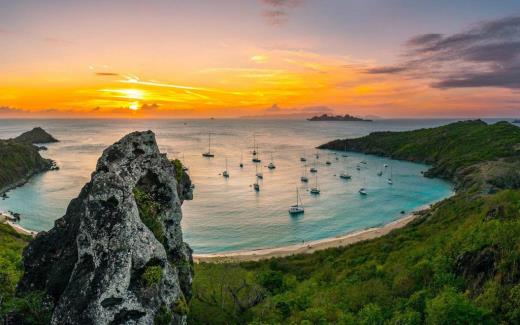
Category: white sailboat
<point>313,168</point>
<point>345,154</point>
<point>380,172</point>
<point>303,158</point>
<point>304,177</point>
<point>298,208</point>
<point>256,186</point>
<point>315,189</point>
<point>225,173</point>
<point>345,174</point>
<point>328,162</point>
<point>208,154</point>
<point>271,164</point>
<point>389,180</point>
<point>259,174</point>
<point>362,190</point>
<point>256,153</point>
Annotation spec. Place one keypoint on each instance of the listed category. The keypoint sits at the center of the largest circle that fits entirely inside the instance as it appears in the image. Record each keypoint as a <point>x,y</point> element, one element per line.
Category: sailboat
<point>241,160</point>
<point>304,178</point>
<point>225,173</point>
<point>362,190</point>
<point>258,174</point>
<point>380,172</point>
<point>298,208</point>
<point>208,154</point>
<point>271,164</point>
<point>328,162</point>
<point>315,189</point>
<point>256,154</point>
<point>389,180</point>
<point>314,169</point>
<point>345,154</point>
<point>303,158</point>
<point>345,174</point>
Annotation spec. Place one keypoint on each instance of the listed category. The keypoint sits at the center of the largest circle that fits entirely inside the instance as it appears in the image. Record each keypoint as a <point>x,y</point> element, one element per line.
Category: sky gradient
<point>232,58</point>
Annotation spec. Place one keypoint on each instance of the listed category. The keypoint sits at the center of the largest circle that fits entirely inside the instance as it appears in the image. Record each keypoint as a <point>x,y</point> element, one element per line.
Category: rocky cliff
<point>118,256</point>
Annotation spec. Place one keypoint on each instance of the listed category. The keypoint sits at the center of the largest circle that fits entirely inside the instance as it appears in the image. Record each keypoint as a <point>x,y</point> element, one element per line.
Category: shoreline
<point>307,247</point>
<point>19,229</point>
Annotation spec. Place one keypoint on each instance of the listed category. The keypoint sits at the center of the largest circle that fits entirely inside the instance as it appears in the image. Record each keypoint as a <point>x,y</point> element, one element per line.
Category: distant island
<point>346,117</point>
<point>36,135</point>
<point>517,121</point>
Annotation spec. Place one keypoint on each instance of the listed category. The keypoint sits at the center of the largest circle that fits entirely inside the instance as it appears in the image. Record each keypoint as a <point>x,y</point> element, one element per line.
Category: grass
<point>149,214</point>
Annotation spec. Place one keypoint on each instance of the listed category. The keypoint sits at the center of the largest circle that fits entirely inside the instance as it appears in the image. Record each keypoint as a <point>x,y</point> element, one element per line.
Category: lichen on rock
<point>118,256</point>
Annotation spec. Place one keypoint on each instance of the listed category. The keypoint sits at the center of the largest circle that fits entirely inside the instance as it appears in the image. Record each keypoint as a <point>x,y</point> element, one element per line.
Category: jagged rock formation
<point>36,135</point>
<point>117,256</point>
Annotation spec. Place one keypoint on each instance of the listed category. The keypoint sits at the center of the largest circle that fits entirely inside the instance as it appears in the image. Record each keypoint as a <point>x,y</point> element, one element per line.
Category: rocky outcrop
<point>118,256</point>
<point>36,135</point>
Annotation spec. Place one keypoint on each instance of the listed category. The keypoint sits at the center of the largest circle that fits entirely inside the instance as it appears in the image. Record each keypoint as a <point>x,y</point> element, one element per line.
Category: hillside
<point>456,264</point>
<point>36,135</point>
<point>454,151</point>
<point>19,161</point>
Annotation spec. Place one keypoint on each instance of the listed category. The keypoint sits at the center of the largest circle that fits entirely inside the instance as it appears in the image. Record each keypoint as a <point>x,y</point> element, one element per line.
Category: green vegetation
<point>163,317</point>
<point>181,306</point>
<point>19,161</point>
<point>33,306</point>
<point>152,275</point>
<point>449,148</point>
<point>149,213</point>
<point>179,171</point>
<point>36,135</point>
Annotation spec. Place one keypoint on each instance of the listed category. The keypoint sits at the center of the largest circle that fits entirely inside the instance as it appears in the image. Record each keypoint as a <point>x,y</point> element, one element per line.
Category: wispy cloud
<point>107,74</point>
<point>277,11</point>
<point>485,55</point>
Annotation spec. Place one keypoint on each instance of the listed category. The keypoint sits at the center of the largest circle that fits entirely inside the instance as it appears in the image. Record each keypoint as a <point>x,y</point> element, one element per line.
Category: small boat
<point>386,165</point>
<point>304,178</point>
<point>358,167</point>
<point>256,186</point>
<point>389,180</point>
<point>225,173</point>
<point>363,191</point>
<point>256,154</point>
<point>259,174</point>
<point>241,160</point>
<point>345,174</point>
<point>379,173</point>
<point>313,170</point>
<point>256,160</point>
<point>208,154</point>
<point>328,162</point>
<point>315,190</point>
<point>317,155</point>
<point>271,164</point>
<point>254,145</point>
<point>363,162</point>
<point>345,154</point>
<point>298,208</point>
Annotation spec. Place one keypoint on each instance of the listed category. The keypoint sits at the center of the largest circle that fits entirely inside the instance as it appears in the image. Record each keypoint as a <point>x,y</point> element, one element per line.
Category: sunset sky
<point>232,58</point>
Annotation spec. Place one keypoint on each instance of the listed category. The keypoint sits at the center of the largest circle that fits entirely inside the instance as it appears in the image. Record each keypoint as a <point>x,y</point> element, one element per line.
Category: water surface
<point>227,214</point>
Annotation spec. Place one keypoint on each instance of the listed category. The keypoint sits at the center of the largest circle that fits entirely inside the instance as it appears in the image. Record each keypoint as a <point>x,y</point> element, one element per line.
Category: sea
<point>227,214</point>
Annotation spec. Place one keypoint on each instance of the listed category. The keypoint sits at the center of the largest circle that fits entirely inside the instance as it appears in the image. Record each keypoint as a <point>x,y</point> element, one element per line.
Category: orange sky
<point>119,66</point>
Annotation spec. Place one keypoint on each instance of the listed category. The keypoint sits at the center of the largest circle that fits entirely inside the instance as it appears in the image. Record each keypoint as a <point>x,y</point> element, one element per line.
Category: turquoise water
<point>227,214</point>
